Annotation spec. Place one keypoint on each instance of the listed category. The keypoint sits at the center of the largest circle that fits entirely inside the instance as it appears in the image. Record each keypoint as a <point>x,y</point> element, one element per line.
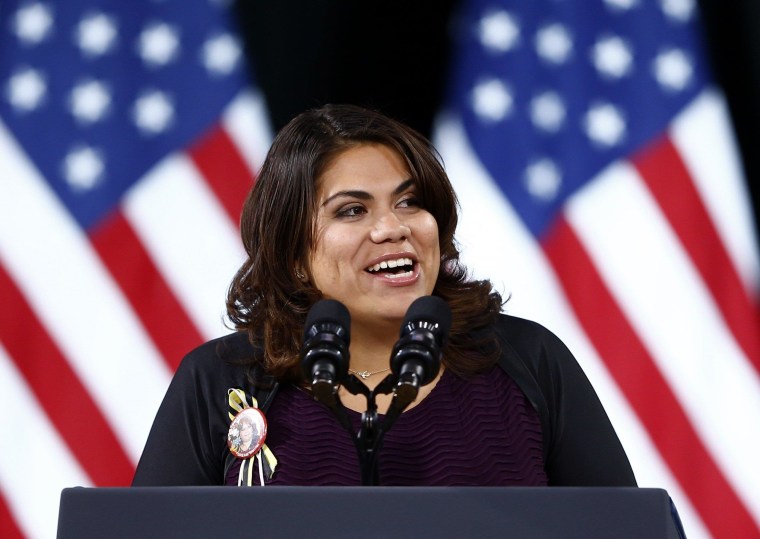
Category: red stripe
<point>647,391</point>
<point>218,159</point>
<point>8,527</point>
<point>59,392</point>
<point>160,312</point>
<point>665,173</point>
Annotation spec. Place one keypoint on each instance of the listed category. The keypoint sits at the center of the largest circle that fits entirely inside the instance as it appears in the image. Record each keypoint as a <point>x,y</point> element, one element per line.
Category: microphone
<point>324,354</point>
<point>416,357</point>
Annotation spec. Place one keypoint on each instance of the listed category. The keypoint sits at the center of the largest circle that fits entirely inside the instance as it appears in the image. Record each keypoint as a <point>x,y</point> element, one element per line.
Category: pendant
<point>363,374</point>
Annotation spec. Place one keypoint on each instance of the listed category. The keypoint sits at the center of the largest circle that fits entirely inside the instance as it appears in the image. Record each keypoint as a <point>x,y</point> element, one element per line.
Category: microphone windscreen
<point>328,311</point>
<point>429,309</point>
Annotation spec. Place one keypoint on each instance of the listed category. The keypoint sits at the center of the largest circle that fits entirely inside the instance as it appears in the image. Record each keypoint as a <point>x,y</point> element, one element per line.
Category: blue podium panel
<point>356,512</point>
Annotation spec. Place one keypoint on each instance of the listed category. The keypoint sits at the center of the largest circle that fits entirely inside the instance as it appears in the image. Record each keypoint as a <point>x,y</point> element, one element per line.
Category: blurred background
<point>602,152</point>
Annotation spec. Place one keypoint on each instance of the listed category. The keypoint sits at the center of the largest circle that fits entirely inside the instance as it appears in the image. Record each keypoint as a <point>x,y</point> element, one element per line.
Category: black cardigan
<point>187,443</point>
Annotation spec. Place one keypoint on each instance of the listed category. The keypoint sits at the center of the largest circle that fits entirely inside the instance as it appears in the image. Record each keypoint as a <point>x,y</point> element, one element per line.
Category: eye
<point>353,210</point>
<point>410,201</point>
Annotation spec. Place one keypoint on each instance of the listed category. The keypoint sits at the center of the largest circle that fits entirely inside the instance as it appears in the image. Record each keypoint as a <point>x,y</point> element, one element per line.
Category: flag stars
<point>96,34</point>
<point>158,44</point>
<point>621,5</point>
<point>673,69</point>
<point>543,180</point>
<point>612,57</point>
<point>554,43</point>
<point>33,23</point>
<point>678,10</point>
<point>83,168</point>
<point>492,100</point>
<point>605,125</point>
<point>547,111</point>
<point>89,101</point>
<point>498,32</point>
<point>221,54</point>
<point>153,112</point>
<point>26,90</point>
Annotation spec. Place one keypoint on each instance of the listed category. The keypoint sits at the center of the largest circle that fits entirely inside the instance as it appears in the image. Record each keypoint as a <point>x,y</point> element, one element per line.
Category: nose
<point>388,227</point>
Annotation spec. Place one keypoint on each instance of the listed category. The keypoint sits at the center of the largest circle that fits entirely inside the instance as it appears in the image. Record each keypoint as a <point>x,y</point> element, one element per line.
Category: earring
<point>300,275</point>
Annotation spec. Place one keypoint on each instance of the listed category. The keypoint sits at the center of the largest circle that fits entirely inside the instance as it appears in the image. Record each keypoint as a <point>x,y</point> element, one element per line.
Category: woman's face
<point>246,433</point>
<point>376,250</point>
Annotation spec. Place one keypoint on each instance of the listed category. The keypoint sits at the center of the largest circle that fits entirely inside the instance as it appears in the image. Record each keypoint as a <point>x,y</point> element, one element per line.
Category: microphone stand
<point>369,439</point>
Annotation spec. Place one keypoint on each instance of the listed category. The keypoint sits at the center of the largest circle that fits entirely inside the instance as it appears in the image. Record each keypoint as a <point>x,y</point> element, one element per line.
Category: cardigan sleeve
<point>581,446</point>
<point>187,442</point>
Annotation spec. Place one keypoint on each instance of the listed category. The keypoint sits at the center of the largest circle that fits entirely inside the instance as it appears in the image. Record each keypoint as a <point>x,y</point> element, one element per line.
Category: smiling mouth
<point>394,269</point>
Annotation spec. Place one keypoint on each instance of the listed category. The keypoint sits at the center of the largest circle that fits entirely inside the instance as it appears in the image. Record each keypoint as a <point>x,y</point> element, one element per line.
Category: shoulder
<point>520,327</point>
<point>223,360</point>
<point>529,340</point>
<point>232,348</point>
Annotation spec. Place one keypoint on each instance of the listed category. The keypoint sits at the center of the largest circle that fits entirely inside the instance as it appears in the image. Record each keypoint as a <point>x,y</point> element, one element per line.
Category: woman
<point>353,206</point>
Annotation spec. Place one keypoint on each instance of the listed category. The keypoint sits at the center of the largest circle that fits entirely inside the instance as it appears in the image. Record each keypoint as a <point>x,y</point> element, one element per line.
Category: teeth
<point>399,275</point>
<point>391,264</point>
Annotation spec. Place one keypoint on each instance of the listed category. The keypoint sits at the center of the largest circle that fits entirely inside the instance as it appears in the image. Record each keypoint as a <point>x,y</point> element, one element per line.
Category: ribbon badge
<point>246,437</point>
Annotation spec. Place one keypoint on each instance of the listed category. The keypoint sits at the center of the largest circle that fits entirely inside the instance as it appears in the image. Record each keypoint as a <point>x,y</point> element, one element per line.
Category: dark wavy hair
<point>270,303</point>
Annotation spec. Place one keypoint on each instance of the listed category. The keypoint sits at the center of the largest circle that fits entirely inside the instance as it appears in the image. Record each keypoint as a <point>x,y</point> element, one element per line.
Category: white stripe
<point>54,265</point>
<point>247,123</point>
<point>704,137</point>
<point>35,463</point>
<point>190,238</point>
<point>663,297</point>
<point>496,245</point>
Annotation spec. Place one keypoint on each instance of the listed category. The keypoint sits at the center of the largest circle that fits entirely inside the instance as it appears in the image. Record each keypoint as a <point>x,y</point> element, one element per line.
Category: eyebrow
<point>364,195</point>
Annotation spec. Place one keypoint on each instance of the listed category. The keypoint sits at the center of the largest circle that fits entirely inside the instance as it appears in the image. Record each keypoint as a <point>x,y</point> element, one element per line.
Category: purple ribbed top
<point>476,432</point>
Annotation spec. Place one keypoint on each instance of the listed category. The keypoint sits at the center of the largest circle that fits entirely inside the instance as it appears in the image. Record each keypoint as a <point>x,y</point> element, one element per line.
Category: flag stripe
<point>633,368</point>
<point>8,527</point>
<point>666,176</point>
<point>86,432</point>
<point>189,236</point>
<point>36,462</point>
<point>244,121</point>
<point>704,136</point>
<point>224,169</point>
<point>150,296</point>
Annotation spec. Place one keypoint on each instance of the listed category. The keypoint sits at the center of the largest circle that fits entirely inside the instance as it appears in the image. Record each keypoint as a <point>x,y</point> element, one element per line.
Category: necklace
<point>366,374</point>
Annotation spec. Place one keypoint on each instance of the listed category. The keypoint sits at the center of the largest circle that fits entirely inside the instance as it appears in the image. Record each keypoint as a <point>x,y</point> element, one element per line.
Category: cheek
<point>326,260</point>
<point>428,233</point>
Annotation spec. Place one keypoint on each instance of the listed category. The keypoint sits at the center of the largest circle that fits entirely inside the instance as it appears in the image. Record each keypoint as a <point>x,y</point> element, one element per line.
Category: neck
<point>371,346</point>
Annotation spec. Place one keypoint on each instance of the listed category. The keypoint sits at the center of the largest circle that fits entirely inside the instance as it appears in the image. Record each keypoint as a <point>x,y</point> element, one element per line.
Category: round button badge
<point>247,433</point>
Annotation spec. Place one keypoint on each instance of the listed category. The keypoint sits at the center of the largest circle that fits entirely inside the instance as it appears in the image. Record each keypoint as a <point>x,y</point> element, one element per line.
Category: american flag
<point>129,135</point>
<point>600,188</point>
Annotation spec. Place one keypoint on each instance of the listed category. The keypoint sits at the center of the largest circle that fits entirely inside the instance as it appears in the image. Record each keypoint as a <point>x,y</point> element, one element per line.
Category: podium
<point>356,512</point>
